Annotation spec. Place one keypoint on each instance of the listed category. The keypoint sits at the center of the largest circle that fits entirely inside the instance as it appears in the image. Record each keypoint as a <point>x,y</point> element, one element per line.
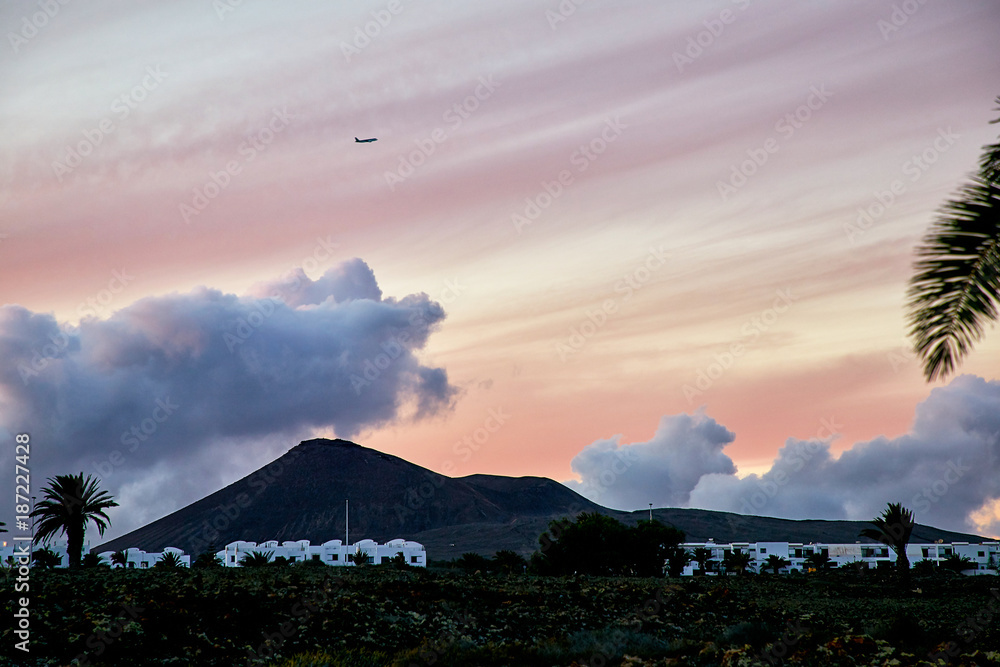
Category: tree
<point>70,502</point>
<point>818,561</point>
<point>257,559</point>
<point>652,544</point>
<point>701,556</point>
<point>776,562</point>
<point>957,563</point>
<point>737,561</point>
<point>119,558</point>
<point>168,561</point>
<point>508,561</point>
<point>359,558</point>
<point>677,559</point>
<point>893,529</point>
<point>955,289</point>
<point>471,562</point>
<point>92,560</point>
<point>45,558</point>
<point>206,560</point>
<point>593,544</point>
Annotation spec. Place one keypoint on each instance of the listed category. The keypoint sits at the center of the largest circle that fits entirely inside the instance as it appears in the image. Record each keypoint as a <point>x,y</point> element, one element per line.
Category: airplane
<point>364,141</point>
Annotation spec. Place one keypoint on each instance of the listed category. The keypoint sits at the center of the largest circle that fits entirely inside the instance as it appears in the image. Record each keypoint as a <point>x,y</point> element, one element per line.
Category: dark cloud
<point>945,469</point>
<point>165,389</point>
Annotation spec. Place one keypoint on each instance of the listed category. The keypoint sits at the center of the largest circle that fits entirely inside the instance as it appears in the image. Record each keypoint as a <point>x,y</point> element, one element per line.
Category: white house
<point>332,552</point>
<point>141,560</point>
<point>985,556</point>
<point>10,550</point>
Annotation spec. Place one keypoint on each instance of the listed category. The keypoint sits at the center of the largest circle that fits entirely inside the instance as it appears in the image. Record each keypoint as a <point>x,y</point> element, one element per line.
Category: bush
<point>345,659</point>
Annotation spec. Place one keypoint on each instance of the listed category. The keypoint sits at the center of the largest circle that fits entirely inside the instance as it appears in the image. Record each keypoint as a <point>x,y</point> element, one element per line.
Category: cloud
<point>945,469</point>
<point>169,386</point>
<point>662,471</point>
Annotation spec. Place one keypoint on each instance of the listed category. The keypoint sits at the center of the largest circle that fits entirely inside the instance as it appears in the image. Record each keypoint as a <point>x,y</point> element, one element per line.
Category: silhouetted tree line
<point>601,545</point>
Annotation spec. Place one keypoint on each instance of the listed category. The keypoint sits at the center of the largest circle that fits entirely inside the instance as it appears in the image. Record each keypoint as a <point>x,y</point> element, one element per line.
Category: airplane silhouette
<point>364,141</point>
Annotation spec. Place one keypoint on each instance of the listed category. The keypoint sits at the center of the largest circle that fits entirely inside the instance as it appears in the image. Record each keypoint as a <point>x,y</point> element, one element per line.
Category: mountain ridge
<point>302,494</point>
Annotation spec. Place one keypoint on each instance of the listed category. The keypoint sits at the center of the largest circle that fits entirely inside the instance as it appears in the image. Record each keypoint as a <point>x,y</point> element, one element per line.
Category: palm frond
<point>956,288</point>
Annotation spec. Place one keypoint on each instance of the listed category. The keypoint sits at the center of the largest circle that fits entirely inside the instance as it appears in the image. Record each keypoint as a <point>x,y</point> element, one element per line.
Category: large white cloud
<point>169,387</point>
<point>662,471</point>
<point>946,468</point>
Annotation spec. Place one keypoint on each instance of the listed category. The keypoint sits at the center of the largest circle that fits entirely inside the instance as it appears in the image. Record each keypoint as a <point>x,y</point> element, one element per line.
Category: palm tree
<point>361,558</point>
<point>71,501</point>
<point>45,558</point>
<point>119,558</point>
<point>955,290</point>
<point>737,561</point>
<point>957,563</point>
<point>701,556</point>
<point>776,562</point>
<point>169,561</point>
<point>893,529</point>
<point>257,559</point>
<point>818,561</point>
<point>207,560</point>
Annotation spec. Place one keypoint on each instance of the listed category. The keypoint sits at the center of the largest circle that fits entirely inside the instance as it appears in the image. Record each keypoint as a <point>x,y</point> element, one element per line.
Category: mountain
<point>302,494</point>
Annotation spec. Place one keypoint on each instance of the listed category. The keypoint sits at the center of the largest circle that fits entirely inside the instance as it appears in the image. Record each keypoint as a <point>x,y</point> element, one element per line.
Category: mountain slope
<point>301,495</point>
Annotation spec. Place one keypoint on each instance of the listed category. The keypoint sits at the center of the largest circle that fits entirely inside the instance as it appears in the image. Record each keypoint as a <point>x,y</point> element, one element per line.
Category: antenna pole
<point>347,523</point>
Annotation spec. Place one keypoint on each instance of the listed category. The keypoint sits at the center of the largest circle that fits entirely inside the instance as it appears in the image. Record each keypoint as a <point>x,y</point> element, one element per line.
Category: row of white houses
<point>984,556</point>
<point>333,552</point>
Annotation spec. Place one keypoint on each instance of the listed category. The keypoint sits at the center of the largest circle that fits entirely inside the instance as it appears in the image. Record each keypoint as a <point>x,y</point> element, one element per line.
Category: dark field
<point>374,616</point>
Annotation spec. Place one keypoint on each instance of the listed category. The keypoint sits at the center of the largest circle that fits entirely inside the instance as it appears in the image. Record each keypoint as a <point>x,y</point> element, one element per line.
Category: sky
<point>658,251</point>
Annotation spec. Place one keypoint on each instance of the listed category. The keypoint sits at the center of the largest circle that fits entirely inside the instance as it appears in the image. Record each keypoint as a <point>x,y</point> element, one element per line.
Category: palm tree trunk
<point>74,545</point>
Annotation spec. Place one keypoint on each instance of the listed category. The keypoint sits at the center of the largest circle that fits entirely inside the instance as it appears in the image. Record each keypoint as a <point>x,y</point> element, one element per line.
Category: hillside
<point>301,495</point>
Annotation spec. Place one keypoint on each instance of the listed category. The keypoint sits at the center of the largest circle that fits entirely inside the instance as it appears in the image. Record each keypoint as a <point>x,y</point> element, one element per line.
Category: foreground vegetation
<point>318,616</point>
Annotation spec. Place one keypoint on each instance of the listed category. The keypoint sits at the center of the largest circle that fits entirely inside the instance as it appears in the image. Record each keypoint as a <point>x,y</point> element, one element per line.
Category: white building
<point>9,551</point>
<point>141,560</point>
<point>985,556</point>
<point>333,552</point>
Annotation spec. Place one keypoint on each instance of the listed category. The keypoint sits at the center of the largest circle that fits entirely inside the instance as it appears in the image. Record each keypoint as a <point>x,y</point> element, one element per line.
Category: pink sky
<point>183,93</point>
